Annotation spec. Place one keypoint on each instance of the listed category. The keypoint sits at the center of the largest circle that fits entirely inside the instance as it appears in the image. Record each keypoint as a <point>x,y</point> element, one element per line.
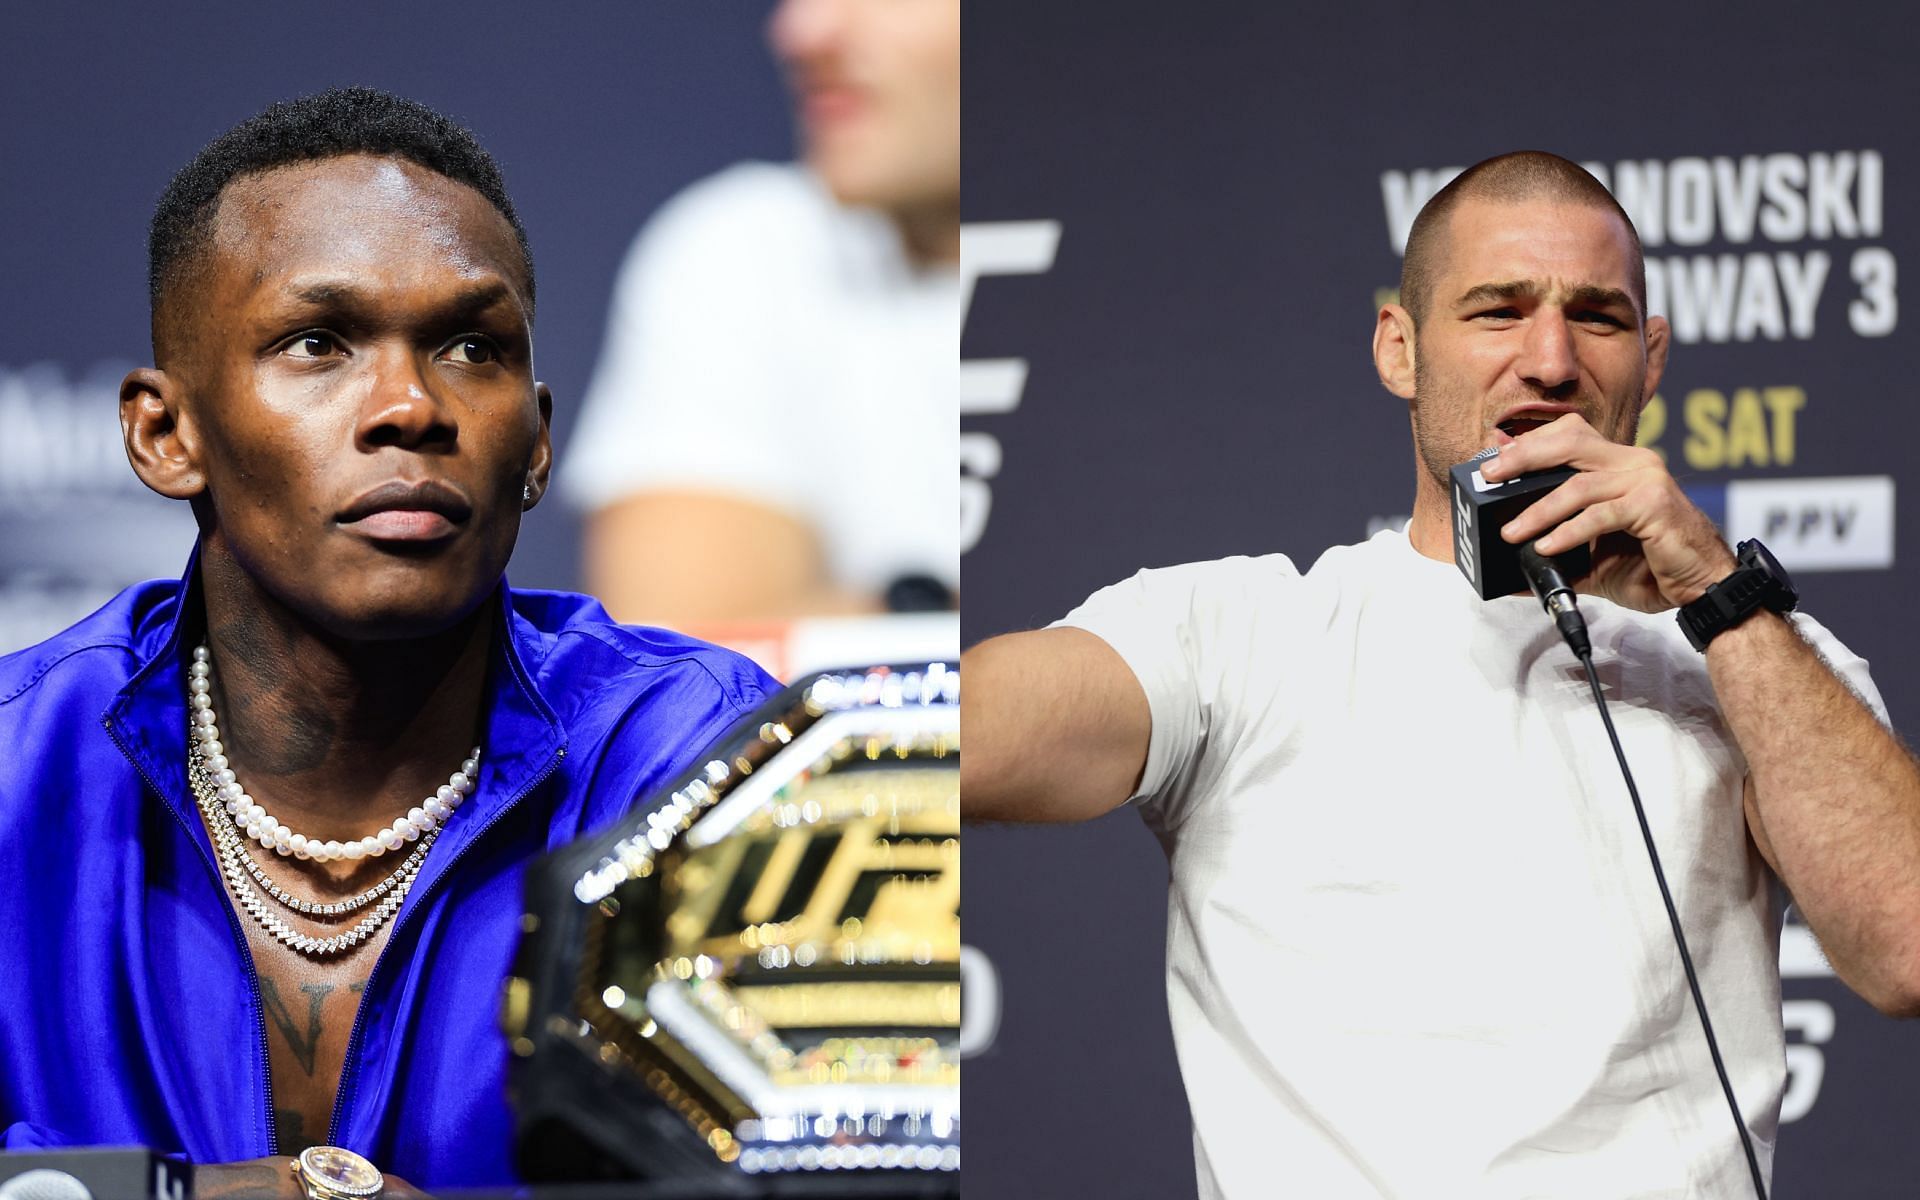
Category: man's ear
<point>1394,350</point>
<point>541,466</point>
<point>1659,341</point>
<point>162,444</point>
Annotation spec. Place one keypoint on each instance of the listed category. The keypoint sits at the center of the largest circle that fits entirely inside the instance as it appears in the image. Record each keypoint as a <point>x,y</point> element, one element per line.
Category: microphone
<point>1496,567</point>
<point>1490,562</point>
<point>111,1173</point>
<point>918,593</point>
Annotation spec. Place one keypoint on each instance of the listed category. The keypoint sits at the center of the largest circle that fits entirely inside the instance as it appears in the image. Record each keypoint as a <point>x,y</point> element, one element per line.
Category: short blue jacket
<point>128,1007</point>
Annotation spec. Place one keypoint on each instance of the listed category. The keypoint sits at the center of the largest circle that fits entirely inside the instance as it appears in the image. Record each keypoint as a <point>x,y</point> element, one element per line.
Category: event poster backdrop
<point>1180,224</point>
<point>597,113</point>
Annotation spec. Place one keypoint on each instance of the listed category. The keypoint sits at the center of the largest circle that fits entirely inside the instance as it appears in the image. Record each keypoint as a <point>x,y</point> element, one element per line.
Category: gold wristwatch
<point>330,1173</point>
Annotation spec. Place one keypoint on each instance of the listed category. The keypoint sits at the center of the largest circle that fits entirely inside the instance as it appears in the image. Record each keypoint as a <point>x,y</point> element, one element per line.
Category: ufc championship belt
<point>759,971</point>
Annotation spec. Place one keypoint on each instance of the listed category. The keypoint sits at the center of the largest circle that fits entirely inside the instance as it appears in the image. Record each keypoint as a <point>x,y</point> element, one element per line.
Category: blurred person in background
<point>772,428</point>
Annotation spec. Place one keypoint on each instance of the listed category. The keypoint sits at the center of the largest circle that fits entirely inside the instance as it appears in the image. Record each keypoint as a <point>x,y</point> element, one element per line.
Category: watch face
<point>1754,553</point>
<point>341,1170</point>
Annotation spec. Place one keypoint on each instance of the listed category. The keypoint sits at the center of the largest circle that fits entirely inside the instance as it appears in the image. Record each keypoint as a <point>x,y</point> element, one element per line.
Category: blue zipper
<point>233,923</point>
<point>349,1071</point>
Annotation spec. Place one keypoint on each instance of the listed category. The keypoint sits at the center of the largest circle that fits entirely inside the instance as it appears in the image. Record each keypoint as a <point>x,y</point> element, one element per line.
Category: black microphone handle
<point>1543,574</point>
<point>1549,583</point>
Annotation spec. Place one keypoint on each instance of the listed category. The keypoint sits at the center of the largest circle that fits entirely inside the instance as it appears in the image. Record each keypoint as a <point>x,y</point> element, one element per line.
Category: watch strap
<point>1731,601</point>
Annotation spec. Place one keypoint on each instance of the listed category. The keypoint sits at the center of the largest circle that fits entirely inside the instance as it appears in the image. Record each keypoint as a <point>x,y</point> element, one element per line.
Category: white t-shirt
<point>768,343</point>
<point>1415,948</point>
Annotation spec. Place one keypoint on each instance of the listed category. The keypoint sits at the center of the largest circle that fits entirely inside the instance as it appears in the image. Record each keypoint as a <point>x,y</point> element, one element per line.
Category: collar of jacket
<point>521,741</point>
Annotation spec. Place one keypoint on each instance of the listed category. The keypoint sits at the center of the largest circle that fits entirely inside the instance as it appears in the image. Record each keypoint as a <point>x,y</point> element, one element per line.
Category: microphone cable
<point>1558,600</point>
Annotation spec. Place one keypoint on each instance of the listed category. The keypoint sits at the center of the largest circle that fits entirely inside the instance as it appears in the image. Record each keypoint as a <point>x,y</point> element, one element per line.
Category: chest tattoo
<point>302,1034</point>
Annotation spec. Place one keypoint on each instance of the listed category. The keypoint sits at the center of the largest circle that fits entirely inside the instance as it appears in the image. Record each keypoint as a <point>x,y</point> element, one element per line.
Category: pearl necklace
<point>219,794</point>
<point>411,863</point>
<point>260,826</point>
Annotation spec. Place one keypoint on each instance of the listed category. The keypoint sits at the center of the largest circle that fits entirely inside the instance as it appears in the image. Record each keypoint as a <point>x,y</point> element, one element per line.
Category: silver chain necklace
<point>203,734</point>
<point>204,790</point>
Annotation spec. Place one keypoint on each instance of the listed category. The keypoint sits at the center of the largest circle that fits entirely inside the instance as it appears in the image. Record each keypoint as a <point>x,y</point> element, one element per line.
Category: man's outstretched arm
<point>1055,728</point>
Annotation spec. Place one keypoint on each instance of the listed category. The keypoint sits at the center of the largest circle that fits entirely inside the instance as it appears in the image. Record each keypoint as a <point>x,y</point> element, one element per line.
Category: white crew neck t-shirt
<point>1415,948</point>
<point>769,343</point>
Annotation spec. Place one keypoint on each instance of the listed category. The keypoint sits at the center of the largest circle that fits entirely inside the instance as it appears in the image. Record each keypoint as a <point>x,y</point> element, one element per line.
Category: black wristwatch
<point>1758,582</point>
